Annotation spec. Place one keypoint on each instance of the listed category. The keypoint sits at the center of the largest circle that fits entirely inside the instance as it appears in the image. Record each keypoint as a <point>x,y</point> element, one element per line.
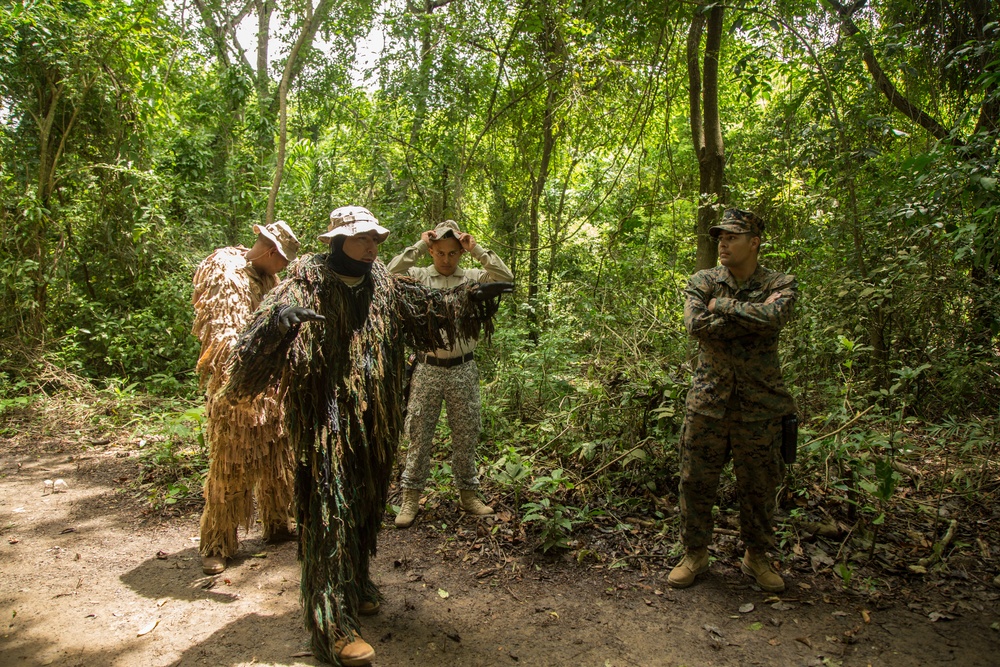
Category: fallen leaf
<point>91,616</point>
<point>746,608</point>
<point>838,613</point>
<point>782,606</point>
<point>756,626</point>
<point>13,540</point>
<point>866,615</point>
<point>936,616</point>
<point>149,628</point>
<point>443,593</point>
<point>553,614</point>
<point>302,654</point>
<point>713,630</point>
<point>162,555</point>
<point>262,554</point>
<point>804,640</point>
<point>774,642</point>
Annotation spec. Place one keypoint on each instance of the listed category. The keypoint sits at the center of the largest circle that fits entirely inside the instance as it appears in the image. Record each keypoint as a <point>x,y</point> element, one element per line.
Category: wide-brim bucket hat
<point>351,221</point>
<point>281,235</point>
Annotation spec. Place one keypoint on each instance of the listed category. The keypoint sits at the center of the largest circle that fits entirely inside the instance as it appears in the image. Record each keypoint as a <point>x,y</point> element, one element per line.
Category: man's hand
<point>429,236</point>
<point>293,315</point>
<point>467,241</point>
<point>711,305</point>
<point>773,297</point>
<point>484,291</point>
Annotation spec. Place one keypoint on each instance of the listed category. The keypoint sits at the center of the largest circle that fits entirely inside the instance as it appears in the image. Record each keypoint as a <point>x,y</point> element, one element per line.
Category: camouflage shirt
<point>738,367</point>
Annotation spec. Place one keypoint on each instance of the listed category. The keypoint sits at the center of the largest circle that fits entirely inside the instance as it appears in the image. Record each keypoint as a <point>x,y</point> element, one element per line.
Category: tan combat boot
<point>758,566</point>
<point>355,653</point>
<point>369,608</point>
<point>408,508</point>
<point>213,564</point>
<point>695,562</point>
<point>470,503</point>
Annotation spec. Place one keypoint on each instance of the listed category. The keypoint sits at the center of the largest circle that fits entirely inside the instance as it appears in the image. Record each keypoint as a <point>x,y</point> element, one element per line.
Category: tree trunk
<point>706,127</point>
<point>305,38</point>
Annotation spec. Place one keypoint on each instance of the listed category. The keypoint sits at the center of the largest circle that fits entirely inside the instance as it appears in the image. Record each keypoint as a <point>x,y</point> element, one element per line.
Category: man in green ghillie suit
<point>333,333</point>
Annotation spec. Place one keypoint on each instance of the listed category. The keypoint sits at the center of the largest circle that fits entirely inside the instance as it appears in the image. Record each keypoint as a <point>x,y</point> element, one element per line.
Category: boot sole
<point>764,587</point>
<point>358,661</point>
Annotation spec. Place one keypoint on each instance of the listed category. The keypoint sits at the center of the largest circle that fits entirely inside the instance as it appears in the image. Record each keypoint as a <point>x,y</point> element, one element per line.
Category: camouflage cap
<point>351,221</point>
<point>738,222</point>
<point>446,229</point>
<point>280,234</point>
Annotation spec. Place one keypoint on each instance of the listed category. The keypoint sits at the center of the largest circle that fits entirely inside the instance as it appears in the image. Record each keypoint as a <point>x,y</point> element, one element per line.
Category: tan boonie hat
<point>738,222</point>
<point>351,221</point>
<point>280,234</point>
<point>446,229</point>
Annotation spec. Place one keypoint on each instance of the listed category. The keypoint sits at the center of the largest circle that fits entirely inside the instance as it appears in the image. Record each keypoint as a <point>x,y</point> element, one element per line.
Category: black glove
<point>484,291</point>
<point>291,315</point>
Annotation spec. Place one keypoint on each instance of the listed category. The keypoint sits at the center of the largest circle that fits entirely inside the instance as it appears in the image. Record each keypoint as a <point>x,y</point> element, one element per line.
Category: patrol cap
<point>738,222</point>
<point>280,234</point>
<point>351,221</point>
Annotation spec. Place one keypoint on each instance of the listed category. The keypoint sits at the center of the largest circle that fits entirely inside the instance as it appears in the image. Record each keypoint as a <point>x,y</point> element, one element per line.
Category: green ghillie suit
<point>342,382</point>
<point>247,446</point>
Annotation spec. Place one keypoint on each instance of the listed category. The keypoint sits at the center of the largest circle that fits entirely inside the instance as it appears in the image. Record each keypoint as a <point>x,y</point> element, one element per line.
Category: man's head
<point>355,231</point>
<point>446,250</point>
<point>275,247</point>
<point>738,236</point>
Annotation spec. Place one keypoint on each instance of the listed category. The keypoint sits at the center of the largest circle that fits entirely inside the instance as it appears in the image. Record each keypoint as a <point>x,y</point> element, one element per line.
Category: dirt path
<point>89,577</point>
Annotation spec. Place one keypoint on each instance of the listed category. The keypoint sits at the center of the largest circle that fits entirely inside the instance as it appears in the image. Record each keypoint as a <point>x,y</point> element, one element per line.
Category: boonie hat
<point>280,234</point>
<point>738,222</point>
<point>351,221</point>
<point>446,229</point>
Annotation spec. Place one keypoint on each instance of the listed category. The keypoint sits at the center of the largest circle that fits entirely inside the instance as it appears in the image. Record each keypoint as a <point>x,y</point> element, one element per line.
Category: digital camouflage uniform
<point>248,449</point>
<point>456,386</point>
<point>736,401</point>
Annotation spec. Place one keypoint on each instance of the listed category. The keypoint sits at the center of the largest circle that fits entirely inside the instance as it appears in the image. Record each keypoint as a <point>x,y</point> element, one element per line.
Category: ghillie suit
<point>342,382</point>
<point>248,450</point>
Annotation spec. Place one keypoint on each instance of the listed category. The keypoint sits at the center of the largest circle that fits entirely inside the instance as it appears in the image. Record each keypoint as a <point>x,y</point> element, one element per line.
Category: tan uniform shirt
<point>494,270</point>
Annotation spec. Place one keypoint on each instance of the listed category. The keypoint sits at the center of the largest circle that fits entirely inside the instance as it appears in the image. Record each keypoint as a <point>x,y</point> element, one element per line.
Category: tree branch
<point>882,82</point>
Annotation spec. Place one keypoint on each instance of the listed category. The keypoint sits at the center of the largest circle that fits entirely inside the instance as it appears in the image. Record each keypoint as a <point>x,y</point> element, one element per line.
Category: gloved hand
<point>484,291</point>
<point>291,315</point>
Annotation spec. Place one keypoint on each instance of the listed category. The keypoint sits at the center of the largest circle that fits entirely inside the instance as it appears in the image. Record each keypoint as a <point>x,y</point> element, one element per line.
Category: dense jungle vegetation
<point>591,144</point>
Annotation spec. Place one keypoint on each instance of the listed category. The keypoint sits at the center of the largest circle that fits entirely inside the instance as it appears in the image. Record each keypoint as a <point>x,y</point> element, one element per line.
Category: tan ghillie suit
<point>248,448</point>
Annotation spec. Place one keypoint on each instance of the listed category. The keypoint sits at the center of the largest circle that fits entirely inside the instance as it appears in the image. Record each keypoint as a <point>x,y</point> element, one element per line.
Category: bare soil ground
<point>92,576</point>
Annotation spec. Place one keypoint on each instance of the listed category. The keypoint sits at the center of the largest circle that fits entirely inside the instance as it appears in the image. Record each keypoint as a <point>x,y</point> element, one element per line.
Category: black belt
<point>444,362</point>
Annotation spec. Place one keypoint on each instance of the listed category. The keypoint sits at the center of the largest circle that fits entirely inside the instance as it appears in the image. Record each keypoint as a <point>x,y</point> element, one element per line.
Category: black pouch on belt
<point>789,438</point>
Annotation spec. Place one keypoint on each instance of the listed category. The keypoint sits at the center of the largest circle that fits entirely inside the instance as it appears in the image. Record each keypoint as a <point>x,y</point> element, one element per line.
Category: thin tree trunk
<point>706,127</point>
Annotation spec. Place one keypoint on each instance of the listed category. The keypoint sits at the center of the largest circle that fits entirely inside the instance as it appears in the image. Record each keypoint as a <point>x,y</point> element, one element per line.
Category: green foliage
<point>554,521</point>
<point>559,135</point>
<point>174,460</point>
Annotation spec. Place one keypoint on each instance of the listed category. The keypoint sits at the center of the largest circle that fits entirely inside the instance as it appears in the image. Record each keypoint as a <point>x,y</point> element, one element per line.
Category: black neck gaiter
<point>344,265</point>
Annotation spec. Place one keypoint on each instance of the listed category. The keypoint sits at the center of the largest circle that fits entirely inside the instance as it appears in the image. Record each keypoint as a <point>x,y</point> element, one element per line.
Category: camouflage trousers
<point>707,444</point>
<point>458,388</point>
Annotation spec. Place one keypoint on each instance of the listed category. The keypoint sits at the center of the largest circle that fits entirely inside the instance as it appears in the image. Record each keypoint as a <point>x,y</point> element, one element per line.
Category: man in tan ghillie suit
<point>248,449</point>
